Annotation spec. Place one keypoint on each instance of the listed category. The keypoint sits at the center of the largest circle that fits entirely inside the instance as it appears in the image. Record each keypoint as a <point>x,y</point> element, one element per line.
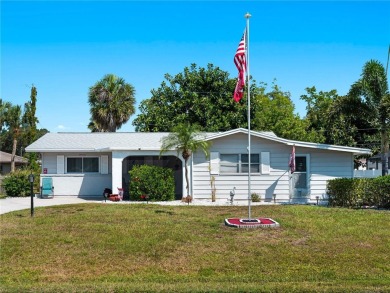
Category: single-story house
<point>84,164</point>
<point>5,162</point>
<point>375,162</point>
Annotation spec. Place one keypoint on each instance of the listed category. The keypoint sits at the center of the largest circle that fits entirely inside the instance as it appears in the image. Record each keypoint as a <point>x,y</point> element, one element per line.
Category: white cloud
<point>62,127</point>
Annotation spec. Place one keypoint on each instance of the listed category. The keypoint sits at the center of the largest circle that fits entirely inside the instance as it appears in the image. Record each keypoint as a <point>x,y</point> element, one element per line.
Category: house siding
<point>88,184</point>
<point>275,181</point>
<point>322,166</point>
<point>328,165</point>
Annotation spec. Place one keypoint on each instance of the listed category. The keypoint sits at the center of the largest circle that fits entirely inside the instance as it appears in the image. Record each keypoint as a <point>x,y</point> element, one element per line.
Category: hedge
<point>152,183</point>
<point>358,192</point>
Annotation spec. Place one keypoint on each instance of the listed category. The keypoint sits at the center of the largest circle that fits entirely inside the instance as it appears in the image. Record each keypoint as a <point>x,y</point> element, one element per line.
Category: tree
<point>186,139</point>
<point>340,120</point>
<point>373,88</point>
<point>202,96</point>
<point>4,107</point>
<point>31,132</point>
<point>348,120</point>
<point>112,103</point>
<point>317,109</point>
<point>275,112</point>
<point>29,119</point>
<point>14,123</point>
<point>21,129</point>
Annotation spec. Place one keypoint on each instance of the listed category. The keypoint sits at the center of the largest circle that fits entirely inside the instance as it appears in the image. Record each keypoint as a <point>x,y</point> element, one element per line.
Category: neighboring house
<point>5,162</point>
<point>85,163</point>
<point>375,162</point>
<point>373,167</point>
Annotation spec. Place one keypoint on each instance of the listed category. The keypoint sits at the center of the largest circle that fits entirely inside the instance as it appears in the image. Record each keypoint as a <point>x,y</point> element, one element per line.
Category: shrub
<point>255,197</point>
<point>356,192</point>
<point>17,184</point>
<point>155,182</point>
<point>382,189</point>
<point>349,192</point>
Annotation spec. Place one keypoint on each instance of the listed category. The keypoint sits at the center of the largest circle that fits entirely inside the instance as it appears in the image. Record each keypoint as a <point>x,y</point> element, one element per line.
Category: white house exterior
<point>83,164</point>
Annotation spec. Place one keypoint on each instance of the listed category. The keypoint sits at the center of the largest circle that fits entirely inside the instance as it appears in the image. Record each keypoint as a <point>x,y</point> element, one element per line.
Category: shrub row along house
<point>84,164</point>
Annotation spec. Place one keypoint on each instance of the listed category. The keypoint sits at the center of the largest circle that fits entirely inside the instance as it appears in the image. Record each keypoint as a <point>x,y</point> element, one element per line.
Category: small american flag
<point>291,162</point>
<point>240,61</point>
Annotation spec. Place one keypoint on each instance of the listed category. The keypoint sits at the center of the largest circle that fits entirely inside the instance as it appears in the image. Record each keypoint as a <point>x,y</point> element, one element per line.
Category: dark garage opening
<point>171,162</point>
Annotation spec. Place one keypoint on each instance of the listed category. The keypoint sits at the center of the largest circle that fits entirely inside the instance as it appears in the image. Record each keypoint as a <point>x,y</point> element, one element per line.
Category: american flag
<point>240,61</point>
<point>291,162</point>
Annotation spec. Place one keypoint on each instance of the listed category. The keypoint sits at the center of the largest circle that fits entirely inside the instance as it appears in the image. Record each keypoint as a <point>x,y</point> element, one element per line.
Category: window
<point>238,163</point>
<point>82,165</point>
<point>300,164</point>
<point>229,164</point>
<point>255,163</point>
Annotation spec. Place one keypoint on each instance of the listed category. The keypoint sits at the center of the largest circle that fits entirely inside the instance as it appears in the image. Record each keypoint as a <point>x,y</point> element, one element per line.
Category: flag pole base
<point>252,223</point>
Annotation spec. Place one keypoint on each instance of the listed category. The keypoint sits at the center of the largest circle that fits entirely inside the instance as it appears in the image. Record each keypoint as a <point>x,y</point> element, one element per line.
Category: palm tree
<point>373,86</point>
<point>13,120</point>
<point>186,139</point>
<point>112,103</point>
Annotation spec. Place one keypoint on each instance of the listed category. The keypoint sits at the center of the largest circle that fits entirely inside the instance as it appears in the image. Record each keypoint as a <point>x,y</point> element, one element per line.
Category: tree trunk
<point>15,142</point>
<point>384,149</point>
<point>187,181</point>
<point>186,154</point>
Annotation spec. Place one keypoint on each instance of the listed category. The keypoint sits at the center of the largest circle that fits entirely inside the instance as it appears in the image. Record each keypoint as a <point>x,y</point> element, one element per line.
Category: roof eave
<point>50,150</point>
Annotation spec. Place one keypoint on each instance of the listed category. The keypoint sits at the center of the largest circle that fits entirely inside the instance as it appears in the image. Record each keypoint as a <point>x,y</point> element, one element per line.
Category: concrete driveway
<point>11,204</point>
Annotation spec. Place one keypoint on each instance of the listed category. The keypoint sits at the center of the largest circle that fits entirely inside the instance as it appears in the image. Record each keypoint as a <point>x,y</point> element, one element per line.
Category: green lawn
<point>144,248</point>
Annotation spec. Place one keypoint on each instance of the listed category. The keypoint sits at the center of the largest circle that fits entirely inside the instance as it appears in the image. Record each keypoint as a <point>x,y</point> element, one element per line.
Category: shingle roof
<point>6,158</point>
<point>96,141</point>
<point>109,141</point>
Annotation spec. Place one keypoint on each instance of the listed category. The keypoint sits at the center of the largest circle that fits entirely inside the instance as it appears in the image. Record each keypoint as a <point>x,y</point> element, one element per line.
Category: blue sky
<point>63,48</point>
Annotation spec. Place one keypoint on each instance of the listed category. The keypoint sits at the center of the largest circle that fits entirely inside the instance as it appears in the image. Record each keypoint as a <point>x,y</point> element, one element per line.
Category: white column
<point>117,159</point>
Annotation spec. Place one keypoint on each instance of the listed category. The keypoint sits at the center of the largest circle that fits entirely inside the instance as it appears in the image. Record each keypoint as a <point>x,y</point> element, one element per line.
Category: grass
<point>151,248</point>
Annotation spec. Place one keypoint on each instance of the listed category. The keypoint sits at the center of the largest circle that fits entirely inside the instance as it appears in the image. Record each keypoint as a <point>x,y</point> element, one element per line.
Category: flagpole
<point>247,16</point>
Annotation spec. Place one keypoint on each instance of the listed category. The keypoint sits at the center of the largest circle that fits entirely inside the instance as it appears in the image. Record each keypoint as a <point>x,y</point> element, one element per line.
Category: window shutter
<point>104,164</point>
<point>214,163</point>
<point>60,164</point>
<point>265,163</point>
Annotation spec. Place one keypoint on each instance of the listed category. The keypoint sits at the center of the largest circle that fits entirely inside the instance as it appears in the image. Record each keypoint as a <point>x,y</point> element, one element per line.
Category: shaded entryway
<point>171,162</point>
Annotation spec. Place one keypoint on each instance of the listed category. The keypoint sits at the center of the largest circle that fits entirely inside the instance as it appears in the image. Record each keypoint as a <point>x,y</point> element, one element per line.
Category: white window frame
<point>82,164</point>
<point>240,163</point>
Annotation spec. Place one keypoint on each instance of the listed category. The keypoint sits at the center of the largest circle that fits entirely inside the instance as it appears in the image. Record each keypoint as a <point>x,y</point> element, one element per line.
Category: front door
<point>299,179</point>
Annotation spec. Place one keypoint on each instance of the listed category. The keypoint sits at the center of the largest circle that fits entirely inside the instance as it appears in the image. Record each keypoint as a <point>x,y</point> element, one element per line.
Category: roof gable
<point>271,136</point>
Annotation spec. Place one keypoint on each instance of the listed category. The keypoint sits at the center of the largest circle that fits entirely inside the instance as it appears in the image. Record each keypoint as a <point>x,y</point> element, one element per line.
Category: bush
<point>17,184</point>
<point>382,189</point>
<point>357,192</point>
<point>255,197</point>
<point>152,182</point>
